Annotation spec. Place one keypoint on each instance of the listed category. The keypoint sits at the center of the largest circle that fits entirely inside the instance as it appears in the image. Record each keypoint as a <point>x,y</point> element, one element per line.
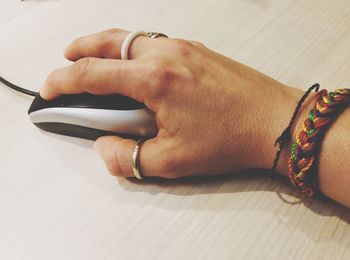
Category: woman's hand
<point>214,115</point>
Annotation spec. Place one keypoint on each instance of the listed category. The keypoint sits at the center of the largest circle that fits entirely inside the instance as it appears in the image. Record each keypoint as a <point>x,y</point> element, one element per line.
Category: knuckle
<point>108,37</point>
<point>82,67</point>
<point>162,74</point>
<point>199,44</point>
<point>107,40</point>
<point>111,31</point>
<point>182,47</point>
<point>170,168</point>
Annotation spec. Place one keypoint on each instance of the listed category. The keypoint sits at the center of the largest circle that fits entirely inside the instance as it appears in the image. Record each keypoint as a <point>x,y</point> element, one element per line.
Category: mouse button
<point>119,102</point>
<point>86,100</point>
<point>40,103</point>
<point>108,102</point>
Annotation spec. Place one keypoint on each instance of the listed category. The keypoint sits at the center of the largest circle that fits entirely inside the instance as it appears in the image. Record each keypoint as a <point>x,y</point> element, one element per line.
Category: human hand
<point>214,115</point>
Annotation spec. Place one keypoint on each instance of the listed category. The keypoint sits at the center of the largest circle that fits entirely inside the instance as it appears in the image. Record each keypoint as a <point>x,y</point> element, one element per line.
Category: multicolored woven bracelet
<point>304,151</point>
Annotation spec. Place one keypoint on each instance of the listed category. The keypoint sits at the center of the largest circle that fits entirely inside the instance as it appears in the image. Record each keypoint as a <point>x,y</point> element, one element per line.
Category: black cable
<point>17,88</point>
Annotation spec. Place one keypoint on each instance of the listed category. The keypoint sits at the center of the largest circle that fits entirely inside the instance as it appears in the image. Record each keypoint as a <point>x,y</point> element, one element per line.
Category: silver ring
<point>154,35</point>
<point>136,159</point>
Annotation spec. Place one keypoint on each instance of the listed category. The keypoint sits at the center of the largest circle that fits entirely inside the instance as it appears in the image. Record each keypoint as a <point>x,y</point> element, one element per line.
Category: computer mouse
<point>91,116</point>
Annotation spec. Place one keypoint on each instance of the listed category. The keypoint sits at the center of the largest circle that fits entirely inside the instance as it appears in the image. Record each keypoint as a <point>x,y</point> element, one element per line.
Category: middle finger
<point>100,77</point>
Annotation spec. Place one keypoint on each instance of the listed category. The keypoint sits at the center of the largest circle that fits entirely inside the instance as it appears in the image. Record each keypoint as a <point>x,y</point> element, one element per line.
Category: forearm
<point>333,167</point>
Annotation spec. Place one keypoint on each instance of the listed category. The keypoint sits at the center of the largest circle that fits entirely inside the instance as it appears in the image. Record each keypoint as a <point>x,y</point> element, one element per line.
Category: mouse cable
<point>17,88</point>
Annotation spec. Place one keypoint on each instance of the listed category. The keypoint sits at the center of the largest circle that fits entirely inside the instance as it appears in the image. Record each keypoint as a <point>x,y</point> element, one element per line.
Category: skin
<point>215,115</point>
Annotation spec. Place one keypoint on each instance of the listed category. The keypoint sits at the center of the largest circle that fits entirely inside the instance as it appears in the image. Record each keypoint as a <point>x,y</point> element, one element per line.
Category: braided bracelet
<point>302,160</point>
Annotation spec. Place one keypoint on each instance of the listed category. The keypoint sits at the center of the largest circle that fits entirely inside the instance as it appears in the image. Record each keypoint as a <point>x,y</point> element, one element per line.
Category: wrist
<point>282,107</point>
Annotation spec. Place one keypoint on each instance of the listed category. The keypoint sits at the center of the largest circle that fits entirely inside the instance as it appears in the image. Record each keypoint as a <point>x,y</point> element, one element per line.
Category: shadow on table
<point>203,188</point>
<point>231,193</point>
<point>216,184</point>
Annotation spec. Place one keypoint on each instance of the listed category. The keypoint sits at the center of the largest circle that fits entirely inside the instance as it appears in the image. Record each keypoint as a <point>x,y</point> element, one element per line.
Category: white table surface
<point>57,200</point>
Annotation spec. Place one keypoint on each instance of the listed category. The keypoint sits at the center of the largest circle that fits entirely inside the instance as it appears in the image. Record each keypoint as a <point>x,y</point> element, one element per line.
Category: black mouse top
<point>85,100</point>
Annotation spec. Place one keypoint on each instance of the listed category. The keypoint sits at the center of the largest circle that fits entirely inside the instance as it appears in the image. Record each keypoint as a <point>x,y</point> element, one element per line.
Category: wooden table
<point>57,200</point>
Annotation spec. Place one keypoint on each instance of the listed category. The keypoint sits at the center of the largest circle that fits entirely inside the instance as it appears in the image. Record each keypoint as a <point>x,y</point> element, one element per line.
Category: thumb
<point>117,154</point>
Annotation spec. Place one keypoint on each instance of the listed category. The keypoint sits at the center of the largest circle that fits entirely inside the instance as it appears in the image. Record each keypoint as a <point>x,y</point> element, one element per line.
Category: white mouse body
<point>90,116</point>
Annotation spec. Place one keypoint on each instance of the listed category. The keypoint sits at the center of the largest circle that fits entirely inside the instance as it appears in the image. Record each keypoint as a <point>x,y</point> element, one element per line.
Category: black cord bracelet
<point>286,134</point>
